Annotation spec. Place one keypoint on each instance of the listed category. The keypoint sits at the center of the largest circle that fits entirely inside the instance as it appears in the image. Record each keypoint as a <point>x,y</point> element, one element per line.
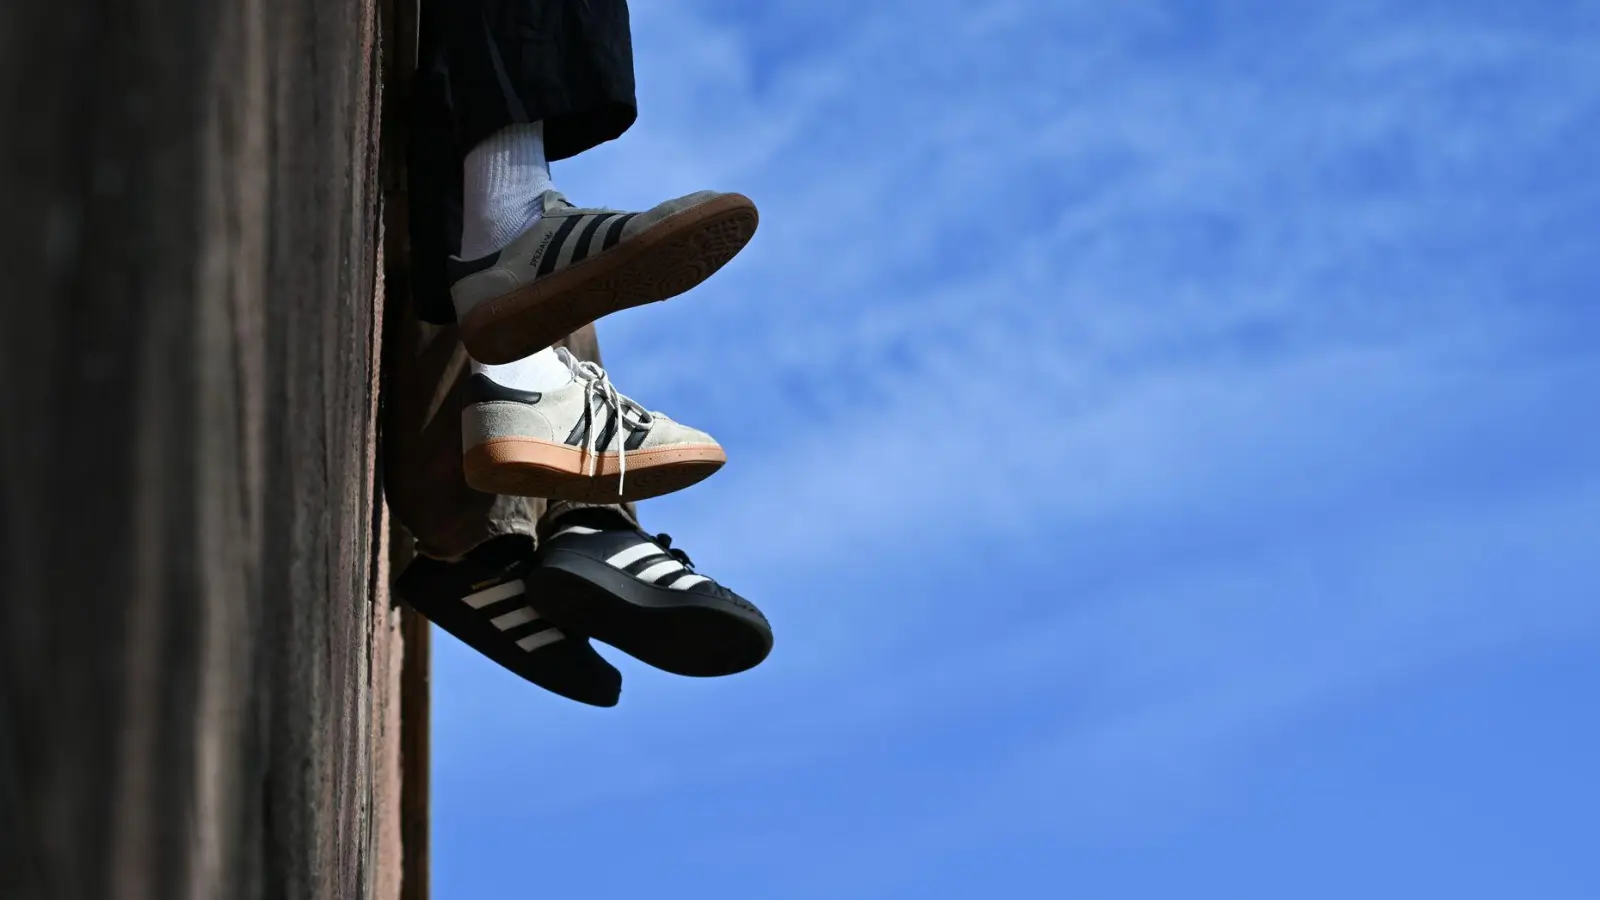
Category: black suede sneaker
<point>597,574</point>
<point>483,600</point>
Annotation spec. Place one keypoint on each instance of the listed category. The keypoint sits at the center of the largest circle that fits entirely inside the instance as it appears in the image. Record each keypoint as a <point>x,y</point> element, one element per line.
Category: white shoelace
<point>597,386</point>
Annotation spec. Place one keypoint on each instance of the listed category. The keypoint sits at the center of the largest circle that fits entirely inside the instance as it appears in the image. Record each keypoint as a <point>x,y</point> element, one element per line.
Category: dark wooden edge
<point>398,34</point>
<point>415,729</point>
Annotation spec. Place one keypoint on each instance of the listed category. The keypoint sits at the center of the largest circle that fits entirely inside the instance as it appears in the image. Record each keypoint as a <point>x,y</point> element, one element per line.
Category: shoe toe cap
<point>669,208</point>
<point>668,433</point>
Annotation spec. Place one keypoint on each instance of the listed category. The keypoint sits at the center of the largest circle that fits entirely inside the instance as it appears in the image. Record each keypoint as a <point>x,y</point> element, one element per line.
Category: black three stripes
<point>582,250</point>
<point>580,432</point>
<point>591,225</point>
<point>614,233</point>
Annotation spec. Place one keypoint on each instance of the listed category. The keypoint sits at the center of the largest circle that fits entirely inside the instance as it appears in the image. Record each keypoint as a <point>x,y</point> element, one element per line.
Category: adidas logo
<point>538,252</point>
<point>492,580</point>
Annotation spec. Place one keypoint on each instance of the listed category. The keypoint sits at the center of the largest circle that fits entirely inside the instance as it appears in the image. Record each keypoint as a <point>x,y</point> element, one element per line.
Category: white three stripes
<point>658,571</point>
<point>539,639</point>
<point>633,554</point>
<point>495,594</point>
<point>628,557</point>
<point>519,616</point>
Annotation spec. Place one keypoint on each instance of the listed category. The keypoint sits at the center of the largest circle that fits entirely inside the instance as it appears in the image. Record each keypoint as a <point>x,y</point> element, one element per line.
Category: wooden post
<point>200,668</point>
<point>399,18</point>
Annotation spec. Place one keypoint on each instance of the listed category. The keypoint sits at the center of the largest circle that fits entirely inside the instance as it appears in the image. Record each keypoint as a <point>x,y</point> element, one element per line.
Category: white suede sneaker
<point>582,442</point>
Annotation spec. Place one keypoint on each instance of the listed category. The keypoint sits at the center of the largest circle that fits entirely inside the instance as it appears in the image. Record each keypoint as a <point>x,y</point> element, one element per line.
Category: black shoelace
<point>665,540</point>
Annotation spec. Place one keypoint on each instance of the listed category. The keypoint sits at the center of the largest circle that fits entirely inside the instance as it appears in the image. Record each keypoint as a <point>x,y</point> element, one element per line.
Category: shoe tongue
<point>554,200</point>
<point>601,518</point>
<point>500,556</point>
<point>567,359</point>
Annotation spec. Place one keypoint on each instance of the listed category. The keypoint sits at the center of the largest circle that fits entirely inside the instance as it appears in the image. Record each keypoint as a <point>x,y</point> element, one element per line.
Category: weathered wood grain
<point>199,665</point>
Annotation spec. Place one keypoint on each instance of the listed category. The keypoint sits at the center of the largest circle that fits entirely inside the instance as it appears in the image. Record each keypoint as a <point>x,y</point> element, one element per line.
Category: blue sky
<point>1163,435</point>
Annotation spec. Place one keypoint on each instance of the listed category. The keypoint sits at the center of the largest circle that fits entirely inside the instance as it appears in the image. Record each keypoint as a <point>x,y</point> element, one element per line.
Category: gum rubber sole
<point>676,631</point>
<point>656,264</point>
<point>528,467</point>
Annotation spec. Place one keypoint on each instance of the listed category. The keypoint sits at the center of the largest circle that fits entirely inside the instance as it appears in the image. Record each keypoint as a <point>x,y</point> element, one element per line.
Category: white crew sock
<point>543,371</point>
<point>504,176</point>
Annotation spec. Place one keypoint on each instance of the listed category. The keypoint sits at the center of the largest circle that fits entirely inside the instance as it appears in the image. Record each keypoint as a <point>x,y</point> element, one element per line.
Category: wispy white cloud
<point>1126,205</point>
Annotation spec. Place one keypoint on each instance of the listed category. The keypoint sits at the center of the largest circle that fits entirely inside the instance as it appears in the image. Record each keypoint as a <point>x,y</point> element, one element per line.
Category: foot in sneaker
<point>482,600</point>
<point>597,574</point>
<point>577,265</point>
<point>582,442</point>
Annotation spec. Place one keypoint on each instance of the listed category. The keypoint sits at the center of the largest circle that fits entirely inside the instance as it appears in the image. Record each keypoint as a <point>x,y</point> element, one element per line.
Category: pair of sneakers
<point>595,575</point>
<point>585,442</point>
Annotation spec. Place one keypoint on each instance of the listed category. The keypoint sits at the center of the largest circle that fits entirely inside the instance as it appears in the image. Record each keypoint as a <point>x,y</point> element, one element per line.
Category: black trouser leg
<point>485,64</point>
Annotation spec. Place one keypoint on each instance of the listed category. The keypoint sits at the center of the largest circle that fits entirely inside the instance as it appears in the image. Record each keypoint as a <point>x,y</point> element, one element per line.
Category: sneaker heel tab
<point>553,200</point>
<point>457,269</point>
<point>481,389</point>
